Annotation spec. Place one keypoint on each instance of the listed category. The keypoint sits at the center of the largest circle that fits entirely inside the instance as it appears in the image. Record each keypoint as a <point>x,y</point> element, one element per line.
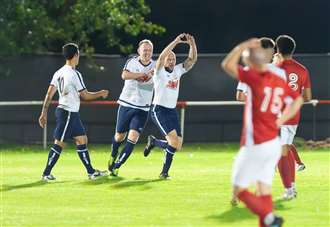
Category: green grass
<point>197,195</point>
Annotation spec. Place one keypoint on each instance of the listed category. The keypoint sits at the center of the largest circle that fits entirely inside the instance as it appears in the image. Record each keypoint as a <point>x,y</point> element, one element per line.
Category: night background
<point>199,194</point>
<point>219,25</point>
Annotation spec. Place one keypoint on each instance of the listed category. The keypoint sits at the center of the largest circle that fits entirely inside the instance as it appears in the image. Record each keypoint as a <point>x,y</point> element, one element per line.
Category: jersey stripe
<point>248,118</point>
<point>125,66</point>
<point>80,80</point>
<point>66,126</point>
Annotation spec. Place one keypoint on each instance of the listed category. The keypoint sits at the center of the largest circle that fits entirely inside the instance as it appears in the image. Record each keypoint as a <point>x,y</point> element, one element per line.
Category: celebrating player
<point>68,82</point>
<point>163,113</point>
<point>299,81</point>
<point>260,146</point>
<point>134,104</point>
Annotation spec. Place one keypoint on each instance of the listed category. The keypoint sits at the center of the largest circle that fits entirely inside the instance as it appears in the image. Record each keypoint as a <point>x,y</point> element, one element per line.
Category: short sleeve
<point>54,82</point>
<point>241,87</point>
<point>78,82</point>
<point>130,65</point>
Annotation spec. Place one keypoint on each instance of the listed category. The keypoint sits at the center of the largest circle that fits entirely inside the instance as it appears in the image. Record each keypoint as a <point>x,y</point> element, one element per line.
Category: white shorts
<point>256,163</point>
<point>287,134</point>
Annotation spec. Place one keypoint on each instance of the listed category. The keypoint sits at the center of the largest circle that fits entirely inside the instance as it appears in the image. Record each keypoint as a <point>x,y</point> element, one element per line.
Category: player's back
<point>298,79</point>
<point>297,74</point>
<point>267,93</point>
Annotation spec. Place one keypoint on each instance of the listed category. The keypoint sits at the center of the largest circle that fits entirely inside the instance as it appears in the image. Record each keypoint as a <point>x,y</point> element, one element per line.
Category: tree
<point>36,26</point>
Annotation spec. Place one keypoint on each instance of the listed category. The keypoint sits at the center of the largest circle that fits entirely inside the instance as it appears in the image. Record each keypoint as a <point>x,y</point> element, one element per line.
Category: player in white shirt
<point>166,85</point>
<point>134,104</point>
<point>68,82</point>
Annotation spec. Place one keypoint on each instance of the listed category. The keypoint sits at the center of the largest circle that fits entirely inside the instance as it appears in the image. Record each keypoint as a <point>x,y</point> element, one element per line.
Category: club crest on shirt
<point>172,84</point>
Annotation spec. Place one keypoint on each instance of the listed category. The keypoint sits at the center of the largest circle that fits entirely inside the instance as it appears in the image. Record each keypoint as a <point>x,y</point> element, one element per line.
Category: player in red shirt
<point>299,81</point>
<point>260,148</point>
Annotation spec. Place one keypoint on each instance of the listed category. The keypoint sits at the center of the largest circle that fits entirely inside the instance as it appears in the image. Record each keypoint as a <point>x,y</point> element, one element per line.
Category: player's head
<point>145,50</point>
<point>264,54</point>
<point>170,61</point>
<point>71,52</point>
<point>285,45</point>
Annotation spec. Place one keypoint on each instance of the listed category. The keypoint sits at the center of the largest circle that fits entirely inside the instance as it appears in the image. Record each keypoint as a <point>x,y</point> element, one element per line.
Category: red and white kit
<point>298,79</point>
<point>260,149</point>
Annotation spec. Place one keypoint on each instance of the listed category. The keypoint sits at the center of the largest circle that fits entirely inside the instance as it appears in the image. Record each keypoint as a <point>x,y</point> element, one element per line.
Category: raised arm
<point>89,96</point>
<point>192,57</point>
<point>47,101</point>
<point>231,61</point>
<point>161,59</point>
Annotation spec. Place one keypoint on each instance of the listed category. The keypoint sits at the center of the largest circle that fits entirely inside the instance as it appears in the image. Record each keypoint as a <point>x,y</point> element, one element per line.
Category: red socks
<point>284,167</point>
<point>259,205</point>
<point>292,164</point>
<point>295,154</point>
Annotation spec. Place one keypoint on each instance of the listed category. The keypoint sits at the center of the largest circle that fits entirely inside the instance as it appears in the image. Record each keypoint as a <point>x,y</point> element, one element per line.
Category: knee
<point>80,140</point>
<point>285,150</point>
<point>174,141</point>
<point>59,143</point>
<point>179,144</point>
<point>120,136</point>
<point>133,136</point>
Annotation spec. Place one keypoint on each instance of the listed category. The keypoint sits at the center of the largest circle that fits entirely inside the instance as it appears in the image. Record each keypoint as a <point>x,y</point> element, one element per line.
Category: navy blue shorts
<point>131,118</point>
<point>68,125</point>
<point>166,119</point>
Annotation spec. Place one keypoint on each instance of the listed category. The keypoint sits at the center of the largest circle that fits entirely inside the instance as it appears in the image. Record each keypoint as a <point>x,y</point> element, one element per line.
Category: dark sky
<point>220,24</point>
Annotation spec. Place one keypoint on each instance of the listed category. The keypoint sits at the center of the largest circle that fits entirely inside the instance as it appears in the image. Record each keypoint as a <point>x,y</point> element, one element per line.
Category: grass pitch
<point>197,195</point>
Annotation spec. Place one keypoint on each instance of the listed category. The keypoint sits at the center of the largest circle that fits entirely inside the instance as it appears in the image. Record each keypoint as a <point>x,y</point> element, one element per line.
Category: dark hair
<point>70,50</point>
<point>285,45</point>
<point>267,43</point>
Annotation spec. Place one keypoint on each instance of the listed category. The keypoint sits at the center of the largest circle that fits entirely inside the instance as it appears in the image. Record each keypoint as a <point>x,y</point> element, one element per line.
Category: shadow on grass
<point>135,182</point>
<point>6,187</point>
<point>234,214</point>
<point>103,180</point>
<point>279,205</point>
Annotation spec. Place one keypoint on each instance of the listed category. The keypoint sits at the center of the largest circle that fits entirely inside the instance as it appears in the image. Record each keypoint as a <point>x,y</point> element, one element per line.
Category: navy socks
<point>126,152</point>
<point>84,157</point>
<point>53,156</point>
<point>169,153</point>
<point>114,148</point>
<point>160,143</point>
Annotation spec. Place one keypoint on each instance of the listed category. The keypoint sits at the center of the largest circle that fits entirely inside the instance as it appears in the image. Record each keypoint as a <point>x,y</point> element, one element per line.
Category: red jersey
<point>266,96</point>
<point>298,79</point>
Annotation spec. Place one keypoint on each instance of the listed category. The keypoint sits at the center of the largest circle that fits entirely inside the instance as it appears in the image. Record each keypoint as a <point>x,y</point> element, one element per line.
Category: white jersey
<point>68,83</point>
<point>166,85</point>
<point>137,94</point>
<point>273,68</point>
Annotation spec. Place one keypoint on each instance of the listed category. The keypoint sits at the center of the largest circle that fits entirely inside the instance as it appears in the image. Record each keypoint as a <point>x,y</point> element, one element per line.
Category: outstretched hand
<point>104,93</point>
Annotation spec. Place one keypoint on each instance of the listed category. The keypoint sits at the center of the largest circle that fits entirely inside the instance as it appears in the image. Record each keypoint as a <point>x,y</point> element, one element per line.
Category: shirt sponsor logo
<point>172,84</point>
